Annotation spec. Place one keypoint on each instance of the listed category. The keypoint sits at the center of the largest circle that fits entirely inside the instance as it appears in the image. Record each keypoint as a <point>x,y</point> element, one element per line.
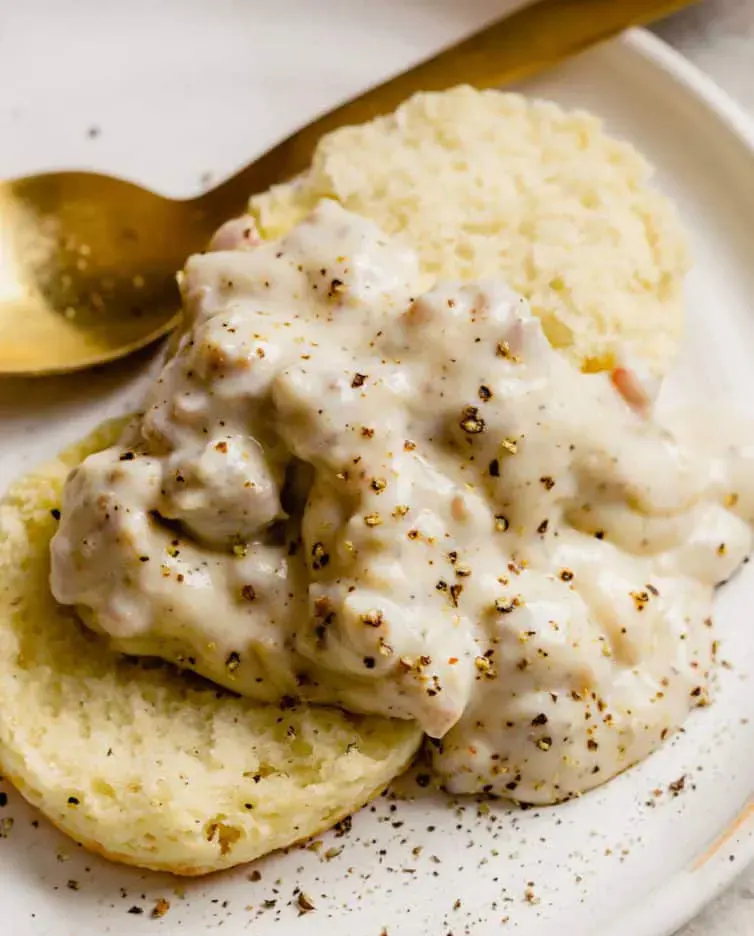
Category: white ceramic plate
<point>168,92</point>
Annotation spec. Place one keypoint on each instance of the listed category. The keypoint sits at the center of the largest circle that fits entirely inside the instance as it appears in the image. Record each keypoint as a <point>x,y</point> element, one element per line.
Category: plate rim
<point>680,898</point>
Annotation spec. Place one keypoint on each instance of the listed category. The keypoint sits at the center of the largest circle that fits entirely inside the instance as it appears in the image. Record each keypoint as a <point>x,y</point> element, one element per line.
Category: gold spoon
<point>88,262</point>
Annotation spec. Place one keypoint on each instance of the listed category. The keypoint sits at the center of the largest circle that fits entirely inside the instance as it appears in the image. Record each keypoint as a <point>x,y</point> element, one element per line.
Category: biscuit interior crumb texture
<point>487,183</point>
<point>142,763</point>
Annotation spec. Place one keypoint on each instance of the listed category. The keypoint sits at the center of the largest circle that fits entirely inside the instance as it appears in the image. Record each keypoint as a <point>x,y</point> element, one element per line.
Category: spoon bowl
<point>87,268</point>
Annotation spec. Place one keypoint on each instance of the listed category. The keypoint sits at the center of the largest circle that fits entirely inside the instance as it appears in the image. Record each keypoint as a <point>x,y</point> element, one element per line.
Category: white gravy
<point>343,492</point>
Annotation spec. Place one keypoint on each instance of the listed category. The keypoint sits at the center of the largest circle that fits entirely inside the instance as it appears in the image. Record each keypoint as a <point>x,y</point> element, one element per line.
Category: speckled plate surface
<point>174,93</point>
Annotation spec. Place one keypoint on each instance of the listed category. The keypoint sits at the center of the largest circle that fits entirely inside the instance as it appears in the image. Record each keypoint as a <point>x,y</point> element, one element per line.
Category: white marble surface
<point>718,35</point>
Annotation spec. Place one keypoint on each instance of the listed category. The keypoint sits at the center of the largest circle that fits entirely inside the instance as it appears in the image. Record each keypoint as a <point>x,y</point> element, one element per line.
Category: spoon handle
<point>524,43</point>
